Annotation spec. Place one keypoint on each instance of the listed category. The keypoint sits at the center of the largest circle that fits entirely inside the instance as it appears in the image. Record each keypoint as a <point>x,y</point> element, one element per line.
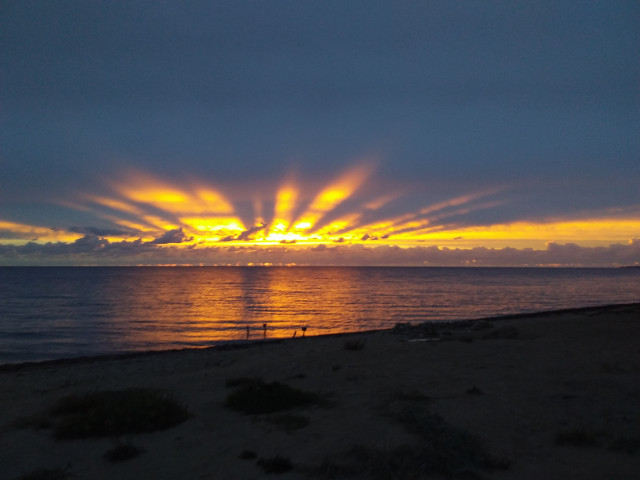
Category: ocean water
<point>57,312</point>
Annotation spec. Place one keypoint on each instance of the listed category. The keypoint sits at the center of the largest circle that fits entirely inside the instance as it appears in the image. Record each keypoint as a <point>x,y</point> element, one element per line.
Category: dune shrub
<point>256,397</point>
<point>115,413</point>
<point>353,345</point>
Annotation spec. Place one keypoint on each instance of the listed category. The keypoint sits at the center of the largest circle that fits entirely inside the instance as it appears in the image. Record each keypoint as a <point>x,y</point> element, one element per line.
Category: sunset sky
<point>323,133</point>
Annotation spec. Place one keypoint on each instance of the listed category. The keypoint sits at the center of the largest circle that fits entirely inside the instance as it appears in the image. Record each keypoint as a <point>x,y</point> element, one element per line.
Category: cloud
<point>103,232</point>
<point>94,250</point>
<point>89,243</point>
<point>246,235</point>
<point>171,236</point>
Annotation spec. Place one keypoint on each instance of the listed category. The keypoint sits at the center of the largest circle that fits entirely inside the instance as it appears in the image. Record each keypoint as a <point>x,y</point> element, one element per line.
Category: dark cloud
<point>171,236</point>
<point>247,234</point>
<point>92,249</point>
<point>88,243</point>
<point>366,236</point>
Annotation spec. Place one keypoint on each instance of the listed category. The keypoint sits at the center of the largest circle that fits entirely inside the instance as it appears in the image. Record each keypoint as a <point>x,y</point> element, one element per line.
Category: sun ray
<point>25,233</point>
<point>204,212</point>
<point>115,204</point>
<point>286,199</point>
<point>211,202</point>
<point>340,213</point>
<point>442,206</point>
<point>332,196</point>
<point>258,217</point>
<point>223,225</point>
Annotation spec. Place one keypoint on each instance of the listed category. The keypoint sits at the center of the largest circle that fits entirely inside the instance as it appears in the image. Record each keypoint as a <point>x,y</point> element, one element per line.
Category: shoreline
<point>243,344</point>
<point>554,394</point>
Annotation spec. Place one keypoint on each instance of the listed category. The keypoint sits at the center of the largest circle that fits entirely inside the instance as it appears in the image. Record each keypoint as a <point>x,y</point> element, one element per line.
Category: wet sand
<point>554,395</point>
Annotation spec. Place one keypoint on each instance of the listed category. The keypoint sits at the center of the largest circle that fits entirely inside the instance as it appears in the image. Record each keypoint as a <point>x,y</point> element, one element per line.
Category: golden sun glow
<point>199,215</point>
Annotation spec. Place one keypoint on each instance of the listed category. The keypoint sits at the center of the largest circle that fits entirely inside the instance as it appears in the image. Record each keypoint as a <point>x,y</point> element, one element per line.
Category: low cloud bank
<point>95,250</point>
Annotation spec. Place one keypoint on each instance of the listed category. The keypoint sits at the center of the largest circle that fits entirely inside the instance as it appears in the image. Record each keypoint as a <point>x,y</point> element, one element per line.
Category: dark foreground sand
<point>516,385</point>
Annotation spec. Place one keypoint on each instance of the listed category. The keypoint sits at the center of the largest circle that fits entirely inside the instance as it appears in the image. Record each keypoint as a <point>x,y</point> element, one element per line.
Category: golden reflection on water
<point>200,309</point>
<point>57,312</point>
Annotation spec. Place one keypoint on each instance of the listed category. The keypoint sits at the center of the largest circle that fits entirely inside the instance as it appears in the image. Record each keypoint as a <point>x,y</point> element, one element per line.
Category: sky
<point>320,133</point>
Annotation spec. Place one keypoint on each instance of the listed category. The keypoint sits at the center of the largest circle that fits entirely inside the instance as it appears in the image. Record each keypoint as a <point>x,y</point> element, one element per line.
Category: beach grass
<point>114,413</point>
<point>441,450</point>
<point>122,452</point>
<point>354,345</point>
<point>257,397</point>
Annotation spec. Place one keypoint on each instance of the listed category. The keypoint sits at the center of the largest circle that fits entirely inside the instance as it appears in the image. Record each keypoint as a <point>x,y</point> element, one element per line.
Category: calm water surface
<point>54,312</point>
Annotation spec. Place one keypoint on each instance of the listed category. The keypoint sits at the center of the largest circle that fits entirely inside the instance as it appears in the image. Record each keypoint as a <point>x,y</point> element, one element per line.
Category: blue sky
<point>535,102</point>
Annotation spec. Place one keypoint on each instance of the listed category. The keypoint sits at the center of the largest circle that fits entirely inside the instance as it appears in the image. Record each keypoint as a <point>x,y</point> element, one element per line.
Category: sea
<point>50,313</point>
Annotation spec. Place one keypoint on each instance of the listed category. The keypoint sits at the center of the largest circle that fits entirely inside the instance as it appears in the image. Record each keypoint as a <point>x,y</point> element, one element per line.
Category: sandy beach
<point>554,395</point>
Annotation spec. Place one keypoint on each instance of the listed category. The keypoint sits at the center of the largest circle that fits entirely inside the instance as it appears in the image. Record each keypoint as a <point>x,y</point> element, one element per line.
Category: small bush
<point>122,452</point>
<point>353,345</point>
<point>275,464</point>
<point>475,391</point>
<point>443,448</point>
<point>115,413</point>
<point>257,397</point>
<point>502,333</point>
